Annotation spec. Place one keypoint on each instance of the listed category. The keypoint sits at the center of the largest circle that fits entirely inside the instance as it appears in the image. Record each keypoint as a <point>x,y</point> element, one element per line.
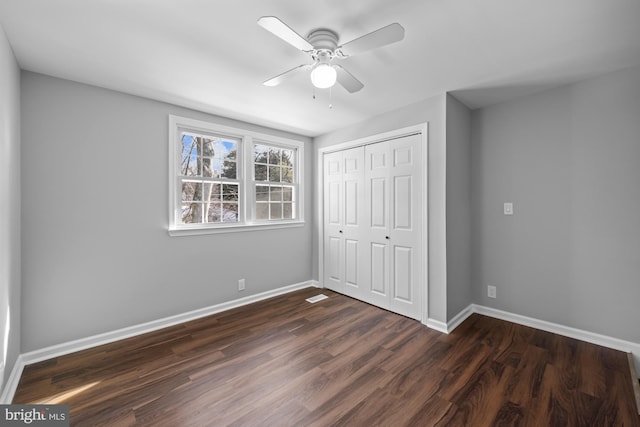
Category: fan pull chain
<point>330,96</point>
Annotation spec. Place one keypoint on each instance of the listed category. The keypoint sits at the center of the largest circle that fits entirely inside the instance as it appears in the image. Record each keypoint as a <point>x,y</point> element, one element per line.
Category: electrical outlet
<point>241,284</point>
<point>508,208</point>
<point>491,291</point>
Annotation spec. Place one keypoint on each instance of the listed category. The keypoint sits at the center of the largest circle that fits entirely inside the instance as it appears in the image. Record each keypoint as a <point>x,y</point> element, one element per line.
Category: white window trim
<point>245,167</point>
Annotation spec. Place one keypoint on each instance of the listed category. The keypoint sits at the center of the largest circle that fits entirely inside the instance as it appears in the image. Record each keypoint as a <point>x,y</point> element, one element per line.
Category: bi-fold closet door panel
<point>372,233</point>
<point>343,221</point>
<point>405,216</point>
<point>377,192</point>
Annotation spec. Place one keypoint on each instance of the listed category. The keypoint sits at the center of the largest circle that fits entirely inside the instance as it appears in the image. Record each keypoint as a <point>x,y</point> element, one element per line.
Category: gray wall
<point>432,111</point>
<point>96,252</point>
<point>569,160</point>
<point>9,209</point>
<point>459,294</point>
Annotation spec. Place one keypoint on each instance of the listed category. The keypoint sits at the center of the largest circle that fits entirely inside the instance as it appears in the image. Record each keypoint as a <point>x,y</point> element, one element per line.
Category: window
<point>225,179</point>
<point>274,184</point>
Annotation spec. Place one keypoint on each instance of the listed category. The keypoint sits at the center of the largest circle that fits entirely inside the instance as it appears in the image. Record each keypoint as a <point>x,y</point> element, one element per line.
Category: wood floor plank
<point>529,373</point>
<point>286,362</point>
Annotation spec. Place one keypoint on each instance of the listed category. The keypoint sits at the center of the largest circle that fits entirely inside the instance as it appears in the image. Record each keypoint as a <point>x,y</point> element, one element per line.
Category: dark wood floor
<point>337,362</point>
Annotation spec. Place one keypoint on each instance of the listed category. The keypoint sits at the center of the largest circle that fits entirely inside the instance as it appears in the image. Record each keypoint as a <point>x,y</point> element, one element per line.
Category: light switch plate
<point>508,208</point>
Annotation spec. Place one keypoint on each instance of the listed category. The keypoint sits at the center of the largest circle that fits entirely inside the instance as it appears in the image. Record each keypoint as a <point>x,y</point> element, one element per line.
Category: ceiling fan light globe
<point>323,76</point>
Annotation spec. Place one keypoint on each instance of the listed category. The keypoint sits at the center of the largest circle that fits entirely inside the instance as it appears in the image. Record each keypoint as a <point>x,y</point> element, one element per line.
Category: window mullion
<point>245,174</point>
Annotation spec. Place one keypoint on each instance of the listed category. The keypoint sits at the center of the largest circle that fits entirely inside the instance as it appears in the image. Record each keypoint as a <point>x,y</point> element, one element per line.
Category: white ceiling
<point>211,55</point>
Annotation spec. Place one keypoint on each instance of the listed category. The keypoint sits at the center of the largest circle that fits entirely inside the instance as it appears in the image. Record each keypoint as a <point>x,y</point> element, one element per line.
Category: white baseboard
<point>447,328</point>
<point>459,318</point>
<point>12,383</point>
<point>108,337</point>
<point>579,334</point>
<point>437,325</point>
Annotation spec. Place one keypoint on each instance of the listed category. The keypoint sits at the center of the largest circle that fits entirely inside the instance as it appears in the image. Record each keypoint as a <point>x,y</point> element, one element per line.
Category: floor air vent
<point>317,298</point>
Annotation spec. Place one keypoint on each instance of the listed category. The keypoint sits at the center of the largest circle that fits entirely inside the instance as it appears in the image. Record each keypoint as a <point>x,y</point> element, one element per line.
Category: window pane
<point>262,193</point>
<point>275,210</point>
<point>189,163</point>
<point>230,192</point>
<point>262,211</point>
<point>276,194</point>
<point>260,153</point>
<point>274,173</point>
<point>229,212</point>
<point>261,173</point>
<point>214,212</point>
<point>187,141</point>
<point>274,156</point>
<point>211,192</point>
<point>287,158</point>
<point>207,147</point>
<point>287,174</point>
<point>287,210</point>
<point>229,169</point>
<point>190,166</point>
<point>226,153</point>
<point>191,213</point>
<point>191,191</point>
<point>231,150</point>
<point>207,167</point>
<point>287,194</point>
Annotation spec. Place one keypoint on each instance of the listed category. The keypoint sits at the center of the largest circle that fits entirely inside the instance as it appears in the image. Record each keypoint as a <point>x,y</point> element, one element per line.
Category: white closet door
<point>378,224</point>
<point>343,218</point>
<point>372,224</point>
<point>394,236</point>
<point>353,230</point>
<point>405,236</point>
<point>332,221</point>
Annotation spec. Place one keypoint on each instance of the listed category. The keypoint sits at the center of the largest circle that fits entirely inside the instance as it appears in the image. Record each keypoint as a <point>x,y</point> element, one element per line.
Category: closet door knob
<point>340,231</point>
<point>386,237</point>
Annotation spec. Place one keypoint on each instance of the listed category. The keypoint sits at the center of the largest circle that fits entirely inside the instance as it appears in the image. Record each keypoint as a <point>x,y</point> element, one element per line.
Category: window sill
<point>194,231</point>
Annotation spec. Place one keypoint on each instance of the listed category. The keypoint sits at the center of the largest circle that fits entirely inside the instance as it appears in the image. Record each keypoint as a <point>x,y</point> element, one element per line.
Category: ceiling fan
<point>322,45</point>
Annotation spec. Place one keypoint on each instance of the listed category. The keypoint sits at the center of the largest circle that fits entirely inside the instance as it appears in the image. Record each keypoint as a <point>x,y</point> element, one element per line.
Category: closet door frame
<point>421,129</point>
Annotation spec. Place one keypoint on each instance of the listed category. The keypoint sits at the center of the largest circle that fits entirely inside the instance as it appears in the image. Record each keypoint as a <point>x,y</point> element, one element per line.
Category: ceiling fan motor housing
<point>323,39</point>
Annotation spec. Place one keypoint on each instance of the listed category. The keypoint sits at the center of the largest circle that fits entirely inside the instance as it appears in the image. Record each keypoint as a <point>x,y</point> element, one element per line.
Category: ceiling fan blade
<point>383,36</point>
<point>282,77</point>
<point>347,80</point>
<point>282,30</point>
